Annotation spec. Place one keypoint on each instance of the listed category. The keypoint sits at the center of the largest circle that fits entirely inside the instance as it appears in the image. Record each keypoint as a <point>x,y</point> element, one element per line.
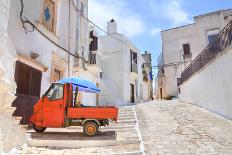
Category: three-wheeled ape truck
<point>59,108</point>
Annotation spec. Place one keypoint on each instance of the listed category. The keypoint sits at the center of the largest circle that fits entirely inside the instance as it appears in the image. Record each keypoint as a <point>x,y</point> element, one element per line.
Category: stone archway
<point>12,135</point>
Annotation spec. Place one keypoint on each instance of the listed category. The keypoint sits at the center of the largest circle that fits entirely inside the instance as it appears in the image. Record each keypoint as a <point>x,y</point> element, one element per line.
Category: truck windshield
<point>56,92</point>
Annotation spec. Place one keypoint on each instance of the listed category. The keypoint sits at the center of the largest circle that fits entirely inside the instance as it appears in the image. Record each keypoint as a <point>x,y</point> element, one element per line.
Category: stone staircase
<point>126,129</point>
<point>119,138</point>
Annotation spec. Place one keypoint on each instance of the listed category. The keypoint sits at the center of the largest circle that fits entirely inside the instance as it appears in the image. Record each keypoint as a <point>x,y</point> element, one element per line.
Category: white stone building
<point>147,77</point>
<point>181,45</point>
<point>39,52</point>
<point>199,55</point>
<point>122,81</point>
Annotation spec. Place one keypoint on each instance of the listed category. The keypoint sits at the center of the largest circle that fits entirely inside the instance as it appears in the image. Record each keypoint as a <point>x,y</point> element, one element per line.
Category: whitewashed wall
<point>25,43</point>
<point>211,87</point>
<point>117,77</point>
<point>11,134</point>
<point>196,35</point>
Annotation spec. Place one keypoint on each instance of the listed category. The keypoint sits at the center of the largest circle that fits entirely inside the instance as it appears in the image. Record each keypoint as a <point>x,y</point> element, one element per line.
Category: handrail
<point>220,42</point>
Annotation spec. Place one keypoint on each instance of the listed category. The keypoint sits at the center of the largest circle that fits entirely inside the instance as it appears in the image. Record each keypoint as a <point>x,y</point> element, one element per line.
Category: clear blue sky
<point>142,20</point>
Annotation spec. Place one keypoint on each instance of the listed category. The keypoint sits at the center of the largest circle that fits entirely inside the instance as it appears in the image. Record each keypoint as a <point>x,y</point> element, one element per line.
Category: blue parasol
<point>82,84</point>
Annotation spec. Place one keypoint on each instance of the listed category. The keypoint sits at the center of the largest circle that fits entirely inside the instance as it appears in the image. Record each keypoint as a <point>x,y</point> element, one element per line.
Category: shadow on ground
<point>50,135</point>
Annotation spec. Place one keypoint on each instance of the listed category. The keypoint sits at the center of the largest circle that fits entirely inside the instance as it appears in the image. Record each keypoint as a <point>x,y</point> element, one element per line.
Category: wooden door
<point>132,95</point>
<point>28,80</point>
<point>161,93</point>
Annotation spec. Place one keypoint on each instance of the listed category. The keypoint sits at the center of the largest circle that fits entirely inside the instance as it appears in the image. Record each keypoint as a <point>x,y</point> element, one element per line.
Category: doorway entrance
<point>161,93</point>
<point>132,94</point>
<point>28,80</point>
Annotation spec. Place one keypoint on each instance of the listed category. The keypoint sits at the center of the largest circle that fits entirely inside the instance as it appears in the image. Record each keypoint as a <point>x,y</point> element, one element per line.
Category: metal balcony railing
<point>221,41</point>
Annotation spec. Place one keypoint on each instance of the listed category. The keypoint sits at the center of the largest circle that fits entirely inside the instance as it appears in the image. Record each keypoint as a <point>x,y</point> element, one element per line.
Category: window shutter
<point>186,49</point>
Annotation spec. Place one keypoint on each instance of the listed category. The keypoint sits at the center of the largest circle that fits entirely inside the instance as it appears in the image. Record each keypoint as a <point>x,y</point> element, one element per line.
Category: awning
<point>82,84</point>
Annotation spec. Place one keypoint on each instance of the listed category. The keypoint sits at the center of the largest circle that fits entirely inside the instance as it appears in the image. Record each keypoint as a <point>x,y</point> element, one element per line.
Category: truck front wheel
<point>90,128</point>
<point>39,129</point>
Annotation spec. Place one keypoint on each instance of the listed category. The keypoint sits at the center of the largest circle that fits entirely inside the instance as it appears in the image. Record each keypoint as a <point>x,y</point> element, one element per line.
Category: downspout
<point>69,37</point>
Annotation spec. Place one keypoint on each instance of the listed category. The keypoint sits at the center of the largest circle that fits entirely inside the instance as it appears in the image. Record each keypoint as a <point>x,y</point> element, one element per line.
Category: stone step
<point>119,128</point>
<point>126,115</point>
<point>128,153</point>
<point>126,110</point>
<point>126,121</point>
<point>123,126</point>
<point>80,143</point>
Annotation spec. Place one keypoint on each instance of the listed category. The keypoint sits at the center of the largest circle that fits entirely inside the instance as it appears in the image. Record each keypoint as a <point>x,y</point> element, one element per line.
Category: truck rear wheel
<point>39,129</point>
<point>90,128</point>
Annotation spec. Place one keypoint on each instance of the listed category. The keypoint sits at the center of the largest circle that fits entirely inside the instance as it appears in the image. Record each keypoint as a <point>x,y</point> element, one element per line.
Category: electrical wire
<point>170,64</point>
<point>27,21</point>
<point>88,20</point>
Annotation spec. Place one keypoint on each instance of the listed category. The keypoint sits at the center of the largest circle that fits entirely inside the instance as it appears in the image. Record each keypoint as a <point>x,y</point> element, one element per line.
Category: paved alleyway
<point>165,127</point>
<point>116,139</point>
<point>171,127</point>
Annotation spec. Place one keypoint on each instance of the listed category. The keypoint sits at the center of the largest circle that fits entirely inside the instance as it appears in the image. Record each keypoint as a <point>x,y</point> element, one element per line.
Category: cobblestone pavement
<point>172,127</point>
<point>163,128</point>
<point>128,142</point>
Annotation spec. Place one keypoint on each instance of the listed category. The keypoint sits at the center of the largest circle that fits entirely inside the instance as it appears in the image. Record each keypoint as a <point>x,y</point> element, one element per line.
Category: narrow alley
<point>166,127</point>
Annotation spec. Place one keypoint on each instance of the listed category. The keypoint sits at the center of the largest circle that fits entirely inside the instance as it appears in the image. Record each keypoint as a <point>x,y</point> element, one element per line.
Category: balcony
<point>95,63</point>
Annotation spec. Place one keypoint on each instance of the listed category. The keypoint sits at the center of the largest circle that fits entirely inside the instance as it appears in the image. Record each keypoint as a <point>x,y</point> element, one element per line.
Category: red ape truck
<point>59,108</point>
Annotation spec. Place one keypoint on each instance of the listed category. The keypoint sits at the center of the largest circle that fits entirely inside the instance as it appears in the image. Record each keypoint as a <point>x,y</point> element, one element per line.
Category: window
<point>93,46</point>
<point>186,49</point>
<point>49,14</point>
<point>55,92</point>
<point>57,74</point>
<point>211,35</point>
<point>133,59</point>
<point>211,38</point>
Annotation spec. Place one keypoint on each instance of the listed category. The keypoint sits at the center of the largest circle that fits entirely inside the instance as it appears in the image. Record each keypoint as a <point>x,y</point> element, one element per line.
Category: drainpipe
<point>69,37</point>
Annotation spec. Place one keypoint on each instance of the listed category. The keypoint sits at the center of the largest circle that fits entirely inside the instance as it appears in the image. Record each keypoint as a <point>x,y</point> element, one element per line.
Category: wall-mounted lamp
<point>34,55</point>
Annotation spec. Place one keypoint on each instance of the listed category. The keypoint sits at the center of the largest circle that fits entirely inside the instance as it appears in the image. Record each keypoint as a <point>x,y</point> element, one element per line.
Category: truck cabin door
<point>53,106</point>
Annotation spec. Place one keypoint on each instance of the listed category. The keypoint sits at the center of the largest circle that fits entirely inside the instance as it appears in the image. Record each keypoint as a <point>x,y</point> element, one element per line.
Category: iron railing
<point>220,42</point>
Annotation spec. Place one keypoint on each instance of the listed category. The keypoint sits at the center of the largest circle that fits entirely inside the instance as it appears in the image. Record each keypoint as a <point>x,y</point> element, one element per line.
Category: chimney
<point>111,27</point>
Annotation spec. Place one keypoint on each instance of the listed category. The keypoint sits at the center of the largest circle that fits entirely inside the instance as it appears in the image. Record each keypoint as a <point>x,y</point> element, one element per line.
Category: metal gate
<point>28,80</point>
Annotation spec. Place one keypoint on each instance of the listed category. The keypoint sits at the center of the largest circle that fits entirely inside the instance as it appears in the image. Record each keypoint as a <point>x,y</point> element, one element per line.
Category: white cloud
<point>176,13</point>
<point>171,10</point>
<point>155,31</point>
<point>102,11</point>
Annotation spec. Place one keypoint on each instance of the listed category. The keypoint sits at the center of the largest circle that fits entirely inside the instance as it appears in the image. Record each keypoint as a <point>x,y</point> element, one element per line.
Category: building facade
<point>122,80</point>
<point>42,41</point>
<point>181,45</point>
<point>12,135</point>
<point>147,76</point>
<point>55,45</point>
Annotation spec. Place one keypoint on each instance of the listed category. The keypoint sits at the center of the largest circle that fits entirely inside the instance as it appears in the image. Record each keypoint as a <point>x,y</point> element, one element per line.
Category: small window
<point>186,49</point>
<point>56,92</point>
<point>49,14</point>
<point>211,38</point>
<point>211,35</point>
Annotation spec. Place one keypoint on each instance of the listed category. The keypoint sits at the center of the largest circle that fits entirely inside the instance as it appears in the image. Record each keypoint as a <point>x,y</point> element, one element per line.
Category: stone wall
<point>211,86</point>
<point>11,134</point>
